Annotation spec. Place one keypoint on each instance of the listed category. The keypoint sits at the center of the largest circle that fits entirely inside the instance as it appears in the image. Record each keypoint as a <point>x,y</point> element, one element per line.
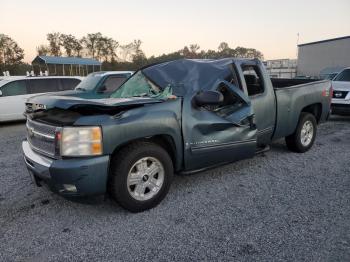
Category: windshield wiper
<point>80,88</point>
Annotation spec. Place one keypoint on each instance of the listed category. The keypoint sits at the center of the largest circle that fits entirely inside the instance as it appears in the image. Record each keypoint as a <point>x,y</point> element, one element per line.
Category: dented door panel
<point>210,139</point>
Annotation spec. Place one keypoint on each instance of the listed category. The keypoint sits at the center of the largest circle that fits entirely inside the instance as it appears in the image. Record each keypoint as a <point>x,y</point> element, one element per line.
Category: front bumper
<point>341,106</point>
<point>88,175</point>
<point>340,109</point>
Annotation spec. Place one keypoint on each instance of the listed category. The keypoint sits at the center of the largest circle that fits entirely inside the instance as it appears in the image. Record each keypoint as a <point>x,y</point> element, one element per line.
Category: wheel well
<point>315,109</point>
<point>165,141</point>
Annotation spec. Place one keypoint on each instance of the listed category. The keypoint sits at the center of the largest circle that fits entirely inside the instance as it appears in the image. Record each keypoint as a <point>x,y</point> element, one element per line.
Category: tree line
<point>11,56</point>
<point>112,54</point>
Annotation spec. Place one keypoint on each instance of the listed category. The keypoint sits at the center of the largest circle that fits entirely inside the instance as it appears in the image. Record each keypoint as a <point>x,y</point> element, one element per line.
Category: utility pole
<point>297,55</point>
<point>297,45</point>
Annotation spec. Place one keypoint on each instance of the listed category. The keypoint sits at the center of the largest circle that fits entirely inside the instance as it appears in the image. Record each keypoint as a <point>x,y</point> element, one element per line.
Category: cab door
<point>262,96</point>
<point>218,134</point>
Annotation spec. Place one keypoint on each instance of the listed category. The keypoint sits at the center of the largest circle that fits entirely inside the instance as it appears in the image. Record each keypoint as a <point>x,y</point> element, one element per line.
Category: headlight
<point>81,141</point>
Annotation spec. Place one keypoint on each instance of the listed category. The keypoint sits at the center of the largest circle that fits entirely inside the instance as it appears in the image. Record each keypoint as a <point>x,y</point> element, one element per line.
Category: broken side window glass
<point>139,86</point>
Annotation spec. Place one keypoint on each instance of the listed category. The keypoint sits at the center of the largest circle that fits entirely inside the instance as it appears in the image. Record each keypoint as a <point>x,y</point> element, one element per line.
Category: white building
<point>323,57</point>
<point>281,68</point>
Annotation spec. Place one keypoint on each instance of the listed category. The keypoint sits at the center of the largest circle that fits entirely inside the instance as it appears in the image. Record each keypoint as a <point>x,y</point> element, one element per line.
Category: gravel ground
<point>278,206</point>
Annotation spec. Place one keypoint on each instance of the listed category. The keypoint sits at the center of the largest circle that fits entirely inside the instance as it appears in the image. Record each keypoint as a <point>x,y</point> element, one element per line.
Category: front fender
<point>143,122</point>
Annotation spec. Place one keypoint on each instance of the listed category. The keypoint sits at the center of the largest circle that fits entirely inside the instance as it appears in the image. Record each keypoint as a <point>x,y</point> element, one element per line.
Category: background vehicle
<point>302,77</point>
<point>14,91</point>
<point>99,84</point>
<point>329,76</point>
<point>341,93</point>
<point>182,116</point>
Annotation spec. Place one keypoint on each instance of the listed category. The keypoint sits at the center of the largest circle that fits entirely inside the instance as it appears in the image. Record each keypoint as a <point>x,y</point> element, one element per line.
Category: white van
<point>15,90</point>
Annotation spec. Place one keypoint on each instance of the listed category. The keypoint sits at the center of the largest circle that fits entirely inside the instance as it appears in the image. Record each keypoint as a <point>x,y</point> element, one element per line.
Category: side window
<point>233,79</point>
<point>231,102</point>
<point>68,83</point>
<point>43,85</point>
<point>112,83</point>
<point>343,76</point>
<point>14,88</point>
<point>253,80</point>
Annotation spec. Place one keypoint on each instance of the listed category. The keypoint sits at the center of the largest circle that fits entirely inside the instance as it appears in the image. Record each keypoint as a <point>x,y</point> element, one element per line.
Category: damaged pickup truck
<point>178,116</point>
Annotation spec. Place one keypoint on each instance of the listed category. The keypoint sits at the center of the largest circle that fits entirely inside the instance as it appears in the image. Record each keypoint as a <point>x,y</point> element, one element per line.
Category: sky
<point>163,26</point>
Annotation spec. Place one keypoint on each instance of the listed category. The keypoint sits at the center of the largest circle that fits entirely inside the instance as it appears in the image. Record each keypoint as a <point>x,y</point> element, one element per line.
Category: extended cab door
<point>257,84</point>
<point>218,134</point>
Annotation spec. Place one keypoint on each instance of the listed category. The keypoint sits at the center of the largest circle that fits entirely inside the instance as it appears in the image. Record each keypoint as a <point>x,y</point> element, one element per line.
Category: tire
<point>140,177</point>
<point>298,142</point>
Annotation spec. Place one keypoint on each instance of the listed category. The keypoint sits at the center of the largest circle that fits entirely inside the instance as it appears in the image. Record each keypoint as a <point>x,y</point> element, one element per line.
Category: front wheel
<point>141,175</point>
<point>304,136</point>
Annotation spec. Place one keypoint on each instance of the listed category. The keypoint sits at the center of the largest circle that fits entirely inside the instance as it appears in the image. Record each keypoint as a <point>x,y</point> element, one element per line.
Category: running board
<point>262,149</point>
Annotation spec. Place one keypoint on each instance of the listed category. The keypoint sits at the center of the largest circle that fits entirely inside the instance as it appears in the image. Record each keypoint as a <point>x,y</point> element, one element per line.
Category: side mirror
<point>0,93</point>
<point>102,89</point>
<point>207,98</point>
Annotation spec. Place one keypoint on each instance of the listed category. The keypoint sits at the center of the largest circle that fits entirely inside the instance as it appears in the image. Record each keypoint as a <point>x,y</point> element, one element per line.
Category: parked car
<point>329,76</point>
<point>341,93</point>
<point>99,84</point>
<point>178,116</point>
<point>14,91</point>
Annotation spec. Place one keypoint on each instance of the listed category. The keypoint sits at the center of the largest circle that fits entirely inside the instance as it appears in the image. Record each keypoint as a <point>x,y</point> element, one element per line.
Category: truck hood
<point>41,103</point>
<point>341,85</point>
<point>73,92</point>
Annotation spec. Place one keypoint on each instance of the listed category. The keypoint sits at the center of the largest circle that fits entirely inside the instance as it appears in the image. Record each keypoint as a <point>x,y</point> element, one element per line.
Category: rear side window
<point>43,85</point>
<point>112,83</point>
<point>343,76</point>
<point>69,83</point>
<point>253,80</point>
<point>14,88</point>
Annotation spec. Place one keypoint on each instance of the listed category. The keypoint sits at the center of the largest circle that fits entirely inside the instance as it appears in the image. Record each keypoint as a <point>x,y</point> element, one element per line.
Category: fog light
<point>70,188</point>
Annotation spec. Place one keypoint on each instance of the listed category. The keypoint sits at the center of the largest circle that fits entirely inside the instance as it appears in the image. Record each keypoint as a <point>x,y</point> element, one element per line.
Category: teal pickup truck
<point>177,116</point>
<point>99,84</point>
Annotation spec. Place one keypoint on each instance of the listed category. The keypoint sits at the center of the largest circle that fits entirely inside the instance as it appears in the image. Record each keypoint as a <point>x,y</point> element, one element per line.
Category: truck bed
<point>291,101</point>
<point>289,82</point>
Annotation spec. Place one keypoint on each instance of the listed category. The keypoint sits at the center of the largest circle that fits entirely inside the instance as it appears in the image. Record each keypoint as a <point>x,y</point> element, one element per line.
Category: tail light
<point>330,92</point>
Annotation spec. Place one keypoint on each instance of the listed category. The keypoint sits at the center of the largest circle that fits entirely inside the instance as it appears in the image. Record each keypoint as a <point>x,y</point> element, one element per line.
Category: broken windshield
<point>139,86</point>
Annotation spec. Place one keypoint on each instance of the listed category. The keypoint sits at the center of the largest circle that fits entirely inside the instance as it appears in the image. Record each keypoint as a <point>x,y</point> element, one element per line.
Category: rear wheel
<point>141,175</point>
<point>304,136</point>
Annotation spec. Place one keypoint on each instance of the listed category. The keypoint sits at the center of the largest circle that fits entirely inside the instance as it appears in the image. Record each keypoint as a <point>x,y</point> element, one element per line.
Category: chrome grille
<point>41,137</point>
<point>339,94</point>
